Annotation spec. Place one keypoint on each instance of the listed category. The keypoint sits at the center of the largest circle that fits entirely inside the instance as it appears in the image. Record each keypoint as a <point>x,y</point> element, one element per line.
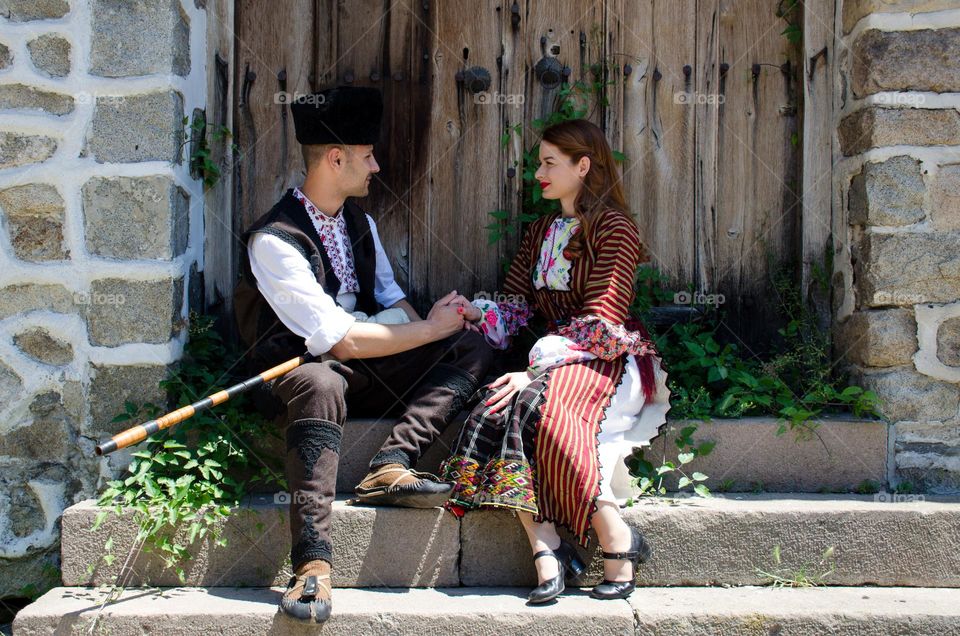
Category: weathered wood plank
<point>705,175</point>
<point>758,178</point>
<point>220,243</point>
<point>274,56</point>
<point>659,133</point>
<point>817,125</point>
<point>375,49</point>
<point>463,160</point>
<point>512,76</point>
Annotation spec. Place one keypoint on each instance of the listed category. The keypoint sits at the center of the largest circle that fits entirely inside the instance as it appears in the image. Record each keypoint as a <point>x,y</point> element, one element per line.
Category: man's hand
<point>470,311</point>
<point>511,383</point>
<point>446,317</point>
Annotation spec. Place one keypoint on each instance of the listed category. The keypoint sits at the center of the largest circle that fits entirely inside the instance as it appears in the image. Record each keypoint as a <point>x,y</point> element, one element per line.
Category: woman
<point>549,442</point>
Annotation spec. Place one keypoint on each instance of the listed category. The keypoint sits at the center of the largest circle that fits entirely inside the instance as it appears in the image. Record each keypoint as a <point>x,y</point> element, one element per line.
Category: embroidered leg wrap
<point>313,452</point>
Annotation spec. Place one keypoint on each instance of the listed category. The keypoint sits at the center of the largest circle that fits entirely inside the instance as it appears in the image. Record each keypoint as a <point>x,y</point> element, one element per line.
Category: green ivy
<point>196,134</point>
<point>710,378</point>
<point>194,473</point>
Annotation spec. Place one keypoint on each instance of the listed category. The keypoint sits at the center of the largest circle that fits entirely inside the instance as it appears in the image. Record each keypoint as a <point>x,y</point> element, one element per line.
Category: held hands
<point>471,312</point>
<point>452,306</point>
<point>511,383</point>
<point>446,316</point>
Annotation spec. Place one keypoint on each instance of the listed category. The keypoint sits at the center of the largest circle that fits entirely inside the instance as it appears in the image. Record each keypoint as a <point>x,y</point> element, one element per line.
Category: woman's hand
<point>470,311</point>
<point>511,383</point>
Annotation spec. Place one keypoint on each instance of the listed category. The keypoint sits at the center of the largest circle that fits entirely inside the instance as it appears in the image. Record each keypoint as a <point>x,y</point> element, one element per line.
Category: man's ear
<point>335,157</point>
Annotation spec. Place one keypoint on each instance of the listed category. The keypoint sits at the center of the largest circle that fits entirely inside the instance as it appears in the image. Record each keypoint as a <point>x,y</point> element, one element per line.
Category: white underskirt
<point>630,422</point>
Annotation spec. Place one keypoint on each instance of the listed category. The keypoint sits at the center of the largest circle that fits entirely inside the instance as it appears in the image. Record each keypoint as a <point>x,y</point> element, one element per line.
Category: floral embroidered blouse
<point>581,338</point>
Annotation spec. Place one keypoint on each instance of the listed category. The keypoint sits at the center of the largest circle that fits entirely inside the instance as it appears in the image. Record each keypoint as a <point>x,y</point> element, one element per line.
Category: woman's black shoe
<point>640,551</point>
<point>569,562</point>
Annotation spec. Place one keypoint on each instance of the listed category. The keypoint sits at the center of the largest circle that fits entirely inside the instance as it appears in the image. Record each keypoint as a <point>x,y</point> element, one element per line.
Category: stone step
<point>678,611</point>
<point>722,540</point>
<point>843,453</point>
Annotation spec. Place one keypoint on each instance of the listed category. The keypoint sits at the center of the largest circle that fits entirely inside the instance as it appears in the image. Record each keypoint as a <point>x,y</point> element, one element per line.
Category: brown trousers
<point>425,387</point>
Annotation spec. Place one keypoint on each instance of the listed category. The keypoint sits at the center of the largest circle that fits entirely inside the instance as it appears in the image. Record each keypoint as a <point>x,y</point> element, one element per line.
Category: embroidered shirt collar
<point>315,212</point>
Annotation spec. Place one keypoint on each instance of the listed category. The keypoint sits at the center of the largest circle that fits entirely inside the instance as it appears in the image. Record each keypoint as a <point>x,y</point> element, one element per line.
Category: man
<point>315,274</point>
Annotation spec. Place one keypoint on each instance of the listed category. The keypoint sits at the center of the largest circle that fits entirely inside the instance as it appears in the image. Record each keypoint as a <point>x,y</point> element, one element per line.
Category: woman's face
<point>559,177</point>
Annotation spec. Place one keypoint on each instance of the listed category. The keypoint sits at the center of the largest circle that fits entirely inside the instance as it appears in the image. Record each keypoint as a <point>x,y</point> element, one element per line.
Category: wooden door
<point>702,100</point>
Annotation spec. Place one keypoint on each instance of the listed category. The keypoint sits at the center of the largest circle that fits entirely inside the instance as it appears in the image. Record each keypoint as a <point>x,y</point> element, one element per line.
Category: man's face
<point>359,168</point>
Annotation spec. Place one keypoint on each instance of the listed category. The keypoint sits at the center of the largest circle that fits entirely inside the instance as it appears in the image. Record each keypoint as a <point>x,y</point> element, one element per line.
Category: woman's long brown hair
<point>602,188</point>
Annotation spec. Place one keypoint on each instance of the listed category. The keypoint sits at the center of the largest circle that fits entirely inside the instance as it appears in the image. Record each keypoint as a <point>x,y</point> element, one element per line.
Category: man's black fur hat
<point>348,115</point>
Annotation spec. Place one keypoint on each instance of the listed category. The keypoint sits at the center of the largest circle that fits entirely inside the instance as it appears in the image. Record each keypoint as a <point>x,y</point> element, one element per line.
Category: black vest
<point>269,341</point>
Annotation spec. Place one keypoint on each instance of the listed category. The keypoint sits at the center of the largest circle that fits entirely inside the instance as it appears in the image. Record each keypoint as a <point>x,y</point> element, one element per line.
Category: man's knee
<point>314,390</point>
<point>471,352</point>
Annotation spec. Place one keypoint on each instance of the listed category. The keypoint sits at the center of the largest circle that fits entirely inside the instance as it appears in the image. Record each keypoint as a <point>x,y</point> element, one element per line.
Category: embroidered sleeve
<point>501,320</point>
<point>554,351</point>
<point>604,339</point>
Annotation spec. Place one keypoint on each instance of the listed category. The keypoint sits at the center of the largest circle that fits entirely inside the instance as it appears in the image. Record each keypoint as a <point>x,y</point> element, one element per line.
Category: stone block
<point>908,268</point>
<point>732,538</point>
<point>47,435</point>
<point>11,384</point>
<point>130,128</point>
<point>16,96</point>
<point>27,10</point>
<point>41,345</point>
<point>154,206</point>
<point>855,10</point>
<point>120,311</point>
<point>373,547</point>
<point>907,395</point>
<point>926,456</point>
<point>17,149</point>
<point>887,193</point>
<point>922,60</point>
<point>6,57</point>
<point>810,611</point>
<point>139,38</point>
<point>880,338</point>
<point>948,342</point>
<point>111,386</point>
<point>15,299</point>
<point>875,127</point>
<point>421,612</point>
<point>945,198</point>
<point>35,215</point>
<point>50,54</point>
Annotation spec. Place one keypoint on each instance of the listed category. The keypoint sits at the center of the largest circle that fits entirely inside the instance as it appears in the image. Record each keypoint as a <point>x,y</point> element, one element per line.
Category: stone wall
<point>897,225</point>
<point>102,226</point>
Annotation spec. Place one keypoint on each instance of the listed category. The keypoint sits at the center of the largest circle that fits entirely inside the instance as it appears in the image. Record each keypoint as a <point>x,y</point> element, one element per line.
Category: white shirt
<point>286,281</point>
